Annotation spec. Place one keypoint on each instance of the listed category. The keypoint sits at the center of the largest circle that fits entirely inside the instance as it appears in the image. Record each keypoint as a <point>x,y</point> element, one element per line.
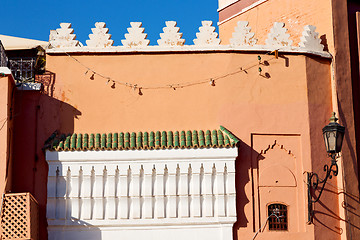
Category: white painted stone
<point>207,35</point>
<point>99,37</point>
<point>136,38</point>
<point>63,37</point>
<point>242,35</point>
<point>278,37</point>
<point>171,36</point>
<point>310,39</point>
<point>142,194</point>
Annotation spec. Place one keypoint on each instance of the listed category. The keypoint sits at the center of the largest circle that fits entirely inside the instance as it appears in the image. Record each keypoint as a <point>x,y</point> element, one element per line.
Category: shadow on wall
<point>78,230</point>
<point>243,168</point>
<point>36,117</point>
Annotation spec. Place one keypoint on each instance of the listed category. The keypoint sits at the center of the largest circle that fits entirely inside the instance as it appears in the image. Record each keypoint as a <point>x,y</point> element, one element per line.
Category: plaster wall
<point>6,86</point>
<point>275,105</point>
<point>294,13</point>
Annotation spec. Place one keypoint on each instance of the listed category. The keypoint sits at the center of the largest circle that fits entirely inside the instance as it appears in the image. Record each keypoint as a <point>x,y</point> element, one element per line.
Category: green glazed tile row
<point>144,140</point>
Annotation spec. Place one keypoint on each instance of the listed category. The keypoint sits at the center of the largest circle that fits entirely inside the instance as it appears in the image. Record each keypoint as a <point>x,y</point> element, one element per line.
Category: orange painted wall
<point>294,13</point>
<point>6,87</point>
<point>257,109</point>
<point>331,19</point>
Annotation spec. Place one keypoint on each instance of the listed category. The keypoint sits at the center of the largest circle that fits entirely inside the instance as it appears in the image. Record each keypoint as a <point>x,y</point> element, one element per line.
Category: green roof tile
<point>143,140</point>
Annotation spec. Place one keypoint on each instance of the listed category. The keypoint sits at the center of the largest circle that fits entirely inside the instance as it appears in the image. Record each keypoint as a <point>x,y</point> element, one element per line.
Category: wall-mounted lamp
<point>333,136</point>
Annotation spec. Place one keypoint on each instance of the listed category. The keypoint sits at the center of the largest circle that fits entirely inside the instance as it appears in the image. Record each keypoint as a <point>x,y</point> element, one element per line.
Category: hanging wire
<point>174,86</point>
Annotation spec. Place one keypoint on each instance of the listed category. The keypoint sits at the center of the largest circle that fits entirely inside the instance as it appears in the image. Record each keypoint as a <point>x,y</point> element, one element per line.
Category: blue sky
<point>35,18</point>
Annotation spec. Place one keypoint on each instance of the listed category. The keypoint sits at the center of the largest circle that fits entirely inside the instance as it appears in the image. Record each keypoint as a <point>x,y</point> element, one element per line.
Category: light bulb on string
<point>212,82</point>
<point>113,85</point>
<point>108,81</point>
<point>92,76</point>
<point>140,92</point>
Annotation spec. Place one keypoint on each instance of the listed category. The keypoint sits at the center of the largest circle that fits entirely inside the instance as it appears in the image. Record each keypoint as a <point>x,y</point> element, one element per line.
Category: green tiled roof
<point>142,140</point>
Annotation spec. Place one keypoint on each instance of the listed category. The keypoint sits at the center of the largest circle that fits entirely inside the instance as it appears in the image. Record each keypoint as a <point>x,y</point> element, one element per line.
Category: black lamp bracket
<point>313,182</point>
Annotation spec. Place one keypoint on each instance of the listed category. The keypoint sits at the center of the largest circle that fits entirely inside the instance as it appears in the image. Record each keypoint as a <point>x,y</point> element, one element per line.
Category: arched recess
<point>277,176</point>
<point>278,179</point>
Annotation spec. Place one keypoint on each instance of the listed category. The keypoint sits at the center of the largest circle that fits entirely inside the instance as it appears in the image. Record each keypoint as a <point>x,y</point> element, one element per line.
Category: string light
<point>178,85</point>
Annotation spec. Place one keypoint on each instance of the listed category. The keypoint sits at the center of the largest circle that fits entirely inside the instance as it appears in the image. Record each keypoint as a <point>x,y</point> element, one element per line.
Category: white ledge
<point>126,155</point>
<point>5,70</point>
<point>187,48</point>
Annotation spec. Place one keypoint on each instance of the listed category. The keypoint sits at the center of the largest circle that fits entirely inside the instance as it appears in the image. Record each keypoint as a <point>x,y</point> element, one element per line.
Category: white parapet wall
<point>63,40</point>
<point>134,194</point>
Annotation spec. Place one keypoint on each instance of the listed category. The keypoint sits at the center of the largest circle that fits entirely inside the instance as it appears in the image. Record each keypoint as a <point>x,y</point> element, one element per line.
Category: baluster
<point>206,191</point>
<point>67,195</point>
<point>85,194</point>
<point>213,191</point>
<point>117,192</point>
<point>146,193</point>
<point>185,175</point>
<point>177,183</point>
<point>221,201</point>
<point>123,193</point>
<point>74,194</point>
<point>195,208</point>
<point>51,193</point>
<point>110,191</point>
<point>135,194</point>
<point>231,191</point>
<point>159,195</point>
<point>170,192</point>
<point>98,193</point>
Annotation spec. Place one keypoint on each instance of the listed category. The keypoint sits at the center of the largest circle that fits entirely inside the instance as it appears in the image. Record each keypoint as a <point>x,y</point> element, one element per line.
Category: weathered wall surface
<point>294,13</point>
<point>6,90</point>
<point>275,104</point>
<point>334,26</point>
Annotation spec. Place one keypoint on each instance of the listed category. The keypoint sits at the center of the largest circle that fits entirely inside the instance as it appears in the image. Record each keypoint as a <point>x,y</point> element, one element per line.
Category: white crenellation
<point>310,39</point>
<point>63,40</point>
<point>171,36</point>
<point>207,35</point>
<point>63,37</point>
<point>242,35</point>
<point>120,191</point>
<point>136,38</point>
<point>99,37</point>
<point>278,37</point>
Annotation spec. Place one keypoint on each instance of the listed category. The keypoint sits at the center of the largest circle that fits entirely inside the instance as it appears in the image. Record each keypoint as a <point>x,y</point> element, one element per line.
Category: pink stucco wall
<point>287,107</point>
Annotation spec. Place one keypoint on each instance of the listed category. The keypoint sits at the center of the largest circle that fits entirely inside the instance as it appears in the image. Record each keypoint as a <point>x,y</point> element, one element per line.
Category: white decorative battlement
<point>160,194</point>
<point>207,35</point>
<point>242,35</point>
<point>62,40</point>
<point>136,36</point>
<point>278,37</point>
<point>310,39</point>
<point>63,37</point>
<point>171,36</point>
<point>100,37</point>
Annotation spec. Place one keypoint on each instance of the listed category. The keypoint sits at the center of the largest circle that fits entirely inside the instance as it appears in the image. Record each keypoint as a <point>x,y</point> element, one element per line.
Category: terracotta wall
<point>280,106</point>
<point>338,33</point>
<point>6,114</point>
<point>294,13</point>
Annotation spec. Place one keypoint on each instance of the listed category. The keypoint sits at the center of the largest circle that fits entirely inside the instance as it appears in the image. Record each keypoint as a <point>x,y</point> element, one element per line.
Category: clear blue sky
<point>35,18</point>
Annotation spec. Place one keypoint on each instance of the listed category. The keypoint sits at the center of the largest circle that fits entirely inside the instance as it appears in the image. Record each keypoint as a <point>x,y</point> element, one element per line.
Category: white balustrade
<point>110,191</point>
